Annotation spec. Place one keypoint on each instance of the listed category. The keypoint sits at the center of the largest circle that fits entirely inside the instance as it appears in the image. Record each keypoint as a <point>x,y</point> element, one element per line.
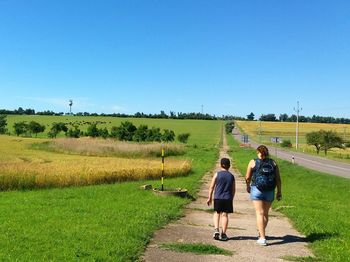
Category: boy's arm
<point>211,189</point>
<point>233,188</point>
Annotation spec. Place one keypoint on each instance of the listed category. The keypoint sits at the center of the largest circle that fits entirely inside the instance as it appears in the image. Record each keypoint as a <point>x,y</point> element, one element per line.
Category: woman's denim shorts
<point>256,194</point>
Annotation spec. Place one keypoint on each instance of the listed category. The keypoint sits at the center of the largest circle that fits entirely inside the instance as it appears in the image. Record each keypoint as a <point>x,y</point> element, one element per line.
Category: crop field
<point>263,132</point>
<point>103,222</point>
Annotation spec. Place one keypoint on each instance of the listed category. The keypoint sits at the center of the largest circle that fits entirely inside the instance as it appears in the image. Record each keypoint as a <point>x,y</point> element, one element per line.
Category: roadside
<point>197,227</point>
<point>313,162</point>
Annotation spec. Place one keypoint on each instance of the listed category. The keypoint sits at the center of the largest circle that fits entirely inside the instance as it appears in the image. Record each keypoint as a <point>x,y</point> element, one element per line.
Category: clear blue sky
<point>124,56</point>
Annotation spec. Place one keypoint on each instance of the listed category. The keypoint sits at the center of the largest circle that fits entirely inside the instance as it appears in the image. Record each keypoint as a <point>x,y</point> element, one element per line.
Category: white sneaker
<point>262,242</point>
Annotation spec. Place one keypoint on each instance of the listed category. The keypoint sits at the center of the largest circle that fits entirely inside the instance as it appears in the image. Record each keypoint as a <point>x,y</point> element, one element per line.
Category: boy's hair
<point>225,163</point>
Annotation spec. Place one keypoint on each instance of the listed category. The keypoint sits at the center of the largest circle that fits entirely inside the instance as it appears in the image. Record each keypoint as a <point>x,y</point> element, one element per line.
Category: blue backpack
<point>265,175</point>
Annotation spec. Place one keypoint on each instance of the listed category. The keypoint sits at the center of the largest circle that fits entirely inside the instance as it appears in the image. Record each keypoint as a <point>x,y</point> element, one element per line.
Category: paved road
<point>313,162</point>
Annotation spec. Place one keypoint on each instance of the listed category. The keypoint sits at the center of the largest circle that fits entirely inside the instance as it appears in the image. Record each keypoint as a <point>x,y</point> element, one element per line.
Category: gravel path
<point>197,227</point>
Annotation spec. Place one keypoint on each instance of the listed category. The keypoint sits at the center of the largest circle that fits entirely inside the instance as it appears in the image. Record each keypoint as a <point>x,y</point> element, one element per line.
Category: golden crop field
<point>262,132</point>
<point>24,167</point>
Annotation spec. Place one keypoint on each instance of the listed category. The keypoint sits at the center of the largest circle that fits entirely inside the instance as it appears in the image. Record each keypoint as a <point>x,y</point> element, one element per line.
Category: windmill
<point>70,106</point>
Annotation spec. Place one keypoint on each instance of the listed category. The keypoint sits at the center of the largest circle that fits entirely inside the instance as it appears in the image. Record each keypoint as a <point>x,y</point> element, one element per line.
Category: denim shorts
<point>256,194</point>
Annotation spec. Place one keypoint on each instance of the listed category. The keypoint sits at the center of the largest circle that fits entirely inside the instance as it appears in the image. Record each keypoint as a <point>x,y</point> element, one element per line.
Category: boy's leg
<point>216,219</point>
<point>224,221</point>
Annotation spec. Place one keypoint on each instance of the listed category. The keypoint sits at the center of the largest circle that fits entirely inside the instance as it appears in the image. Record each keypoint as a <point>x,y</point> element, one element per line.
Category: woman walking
<point>262,177</point>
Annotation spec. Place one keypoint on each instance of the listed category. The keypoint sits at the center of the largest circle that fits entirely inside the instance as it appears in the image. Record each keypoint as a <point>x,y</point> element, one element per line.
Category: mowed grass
<point>262,132</point>
<point>104,222</point>
<point>317,204</point>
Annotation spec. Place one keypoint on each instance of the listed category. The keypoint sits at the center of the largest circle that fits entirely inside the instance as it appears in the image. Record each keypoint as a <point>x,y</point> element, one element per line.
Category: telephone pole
<point>297,110</point>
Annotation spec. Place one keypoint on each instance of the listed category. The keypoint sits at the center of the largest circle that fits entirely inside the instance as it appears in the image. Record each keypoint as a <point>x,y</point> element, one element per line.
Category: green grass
<point>320,205</point>
<point>104,222</point>
<point>197,248</point>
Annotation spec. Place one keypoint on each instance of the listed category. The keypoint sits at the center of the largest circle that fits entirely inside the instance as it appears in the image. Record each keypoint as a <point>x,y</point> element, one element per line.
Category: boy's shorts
<point>256,194</point>
<point>223,205</point>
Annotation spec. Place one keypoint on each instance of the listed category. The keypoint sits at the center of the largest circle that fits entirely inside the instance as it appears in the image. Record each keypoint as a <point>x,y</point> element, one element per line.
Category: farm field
<point>263,132</point>
<point>110,222</point>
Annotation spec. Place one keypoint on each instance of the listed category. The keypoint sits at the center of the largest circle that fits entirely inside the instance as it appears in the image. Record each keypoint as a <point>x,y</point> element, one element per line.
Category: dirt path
<point>197,227</point>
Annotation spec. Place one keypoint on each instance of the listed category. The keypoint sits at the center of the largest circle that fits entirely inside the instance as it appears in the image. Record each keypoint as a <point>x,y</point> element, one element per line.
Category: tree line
<point>306,119</point>
<point>127,131</point>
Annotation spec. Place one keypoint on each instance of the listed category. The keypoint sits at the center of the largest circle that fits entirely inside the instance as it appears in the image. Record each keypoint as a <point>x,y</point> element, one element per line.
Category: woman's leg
<point>266,209</point>
<point>262,215</point>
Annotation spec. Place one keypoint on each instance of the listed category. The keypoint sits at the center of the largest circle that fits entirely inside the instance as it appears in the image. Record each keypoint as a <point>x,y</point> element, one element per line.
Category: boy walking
<point>225,187</point>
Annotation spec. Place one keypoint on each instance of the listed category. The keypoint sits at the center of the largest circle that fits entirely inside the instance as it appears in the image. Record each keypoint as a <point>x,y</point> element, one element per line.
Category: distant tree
<point>154,134</point>
<point>315,138</point>
<point>324,140</point>
<point>268,117</point>
<point>3,124</point>
<point>125,131</point>
<point>92,130</point>
<point>140,134</point>
<point>35,128</point>
<point>283,117</point>
<point>168,135</point>
<point>103,132</point>
<point>330,140</point>
<point>75,133</point>
<point>229,126</point>
<point>20,128</point>
<point>250,116</point>
<point>183,138</point>
<point>56,128</point>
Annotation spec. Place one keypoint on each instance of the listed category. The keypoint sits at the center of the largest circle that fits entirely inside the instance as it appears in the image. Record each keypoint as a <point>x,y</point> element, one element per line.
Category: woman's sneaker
<point>216,234</point>
<point>262,242</point>
<point>223,237</point>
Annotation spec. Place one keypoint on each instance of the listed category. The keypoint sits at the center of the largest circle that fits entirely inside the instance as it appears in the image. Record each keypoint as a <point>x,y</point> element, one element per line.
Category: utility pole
<point>202,109</point>
<point>70,106</point>
<point>297,110</point>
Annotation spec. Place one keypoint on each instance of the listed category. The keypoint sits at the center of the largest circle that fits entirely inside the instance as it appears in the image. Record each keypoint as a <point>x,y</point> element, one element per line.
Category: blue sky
<point>231,57</point>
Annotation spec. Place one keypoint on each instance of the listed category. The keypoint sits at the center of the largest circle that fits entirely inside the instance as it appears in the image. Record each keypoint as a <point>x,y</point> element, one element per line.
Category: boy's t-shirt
<point>224,183</point>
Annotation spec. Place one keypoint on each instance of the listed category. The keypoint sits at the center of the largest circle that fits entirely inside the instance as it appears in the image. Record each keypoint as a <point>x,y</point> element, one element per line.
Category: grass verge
<point>197,248</point>
<point>321,207</point>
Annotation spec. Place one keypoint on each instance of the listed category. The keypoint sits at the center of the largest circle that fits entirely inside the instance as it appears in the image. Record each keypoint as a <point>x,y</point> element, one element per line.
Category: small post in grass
<point>162,168</point>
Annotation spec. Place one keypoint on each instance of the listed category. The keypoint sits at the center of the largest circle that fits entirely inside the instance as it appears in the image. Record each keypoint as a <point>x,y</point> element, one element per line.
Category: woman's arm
<point>248,174</point>
<point>278,184</point>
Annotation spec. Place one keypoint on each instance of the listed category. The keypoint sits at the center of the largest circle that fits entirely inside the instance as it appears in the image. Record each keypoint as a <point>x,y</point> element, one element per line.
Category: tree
<point>283,117</point>
<point>154,134</point>
<point>324,140</point>
<point>35,128</point>
<point>74,132</point>
<point>20,128</point>
<point>57,128</point>
<point>229,127</point>
<point>3,124</point>
<point>268,117</point>
<point>331,139</point>
<point>251,116</point>
<point>92,130</point>
<point>168,135</point>
<point>140,134</point>
<point>183,137</point>
<point>125,131</point>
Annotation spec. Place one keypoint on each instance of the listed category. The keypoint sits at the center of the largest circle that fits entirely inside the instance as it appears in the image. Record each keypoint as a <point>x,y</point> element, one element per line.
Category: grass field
<point>103,222</point>
<point>262,132</point>
<point>319,205</point>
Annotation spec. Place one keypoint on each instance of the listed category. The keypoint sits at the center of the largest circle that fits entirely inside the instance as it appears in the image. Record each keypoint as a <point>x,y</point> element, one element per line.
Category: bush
<point>286,143</point>
<point>183,137</point>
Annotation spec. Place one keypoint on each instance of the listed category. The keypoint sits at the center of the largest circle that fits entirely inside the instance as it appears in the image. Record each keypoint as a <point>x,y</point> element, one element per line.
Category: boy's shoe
<point>223,237</point>
<point>216,234</point>
<point>262,242</point>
